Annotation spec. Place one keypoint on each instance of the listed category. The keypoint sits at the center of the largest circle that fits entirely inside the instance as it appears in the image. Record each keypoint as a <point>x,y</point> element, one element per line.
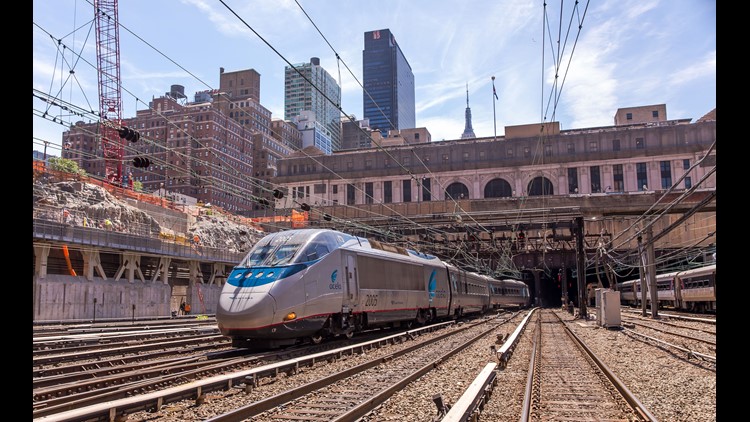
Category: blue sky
<point>628,53</point>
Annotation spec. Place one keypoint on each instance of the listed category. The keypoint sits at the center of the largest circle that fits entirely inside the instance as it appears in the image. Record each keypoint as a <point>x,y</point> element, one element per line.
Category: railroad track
<point>567,382</point>
<point>68,329</point>
<point>675,334</point>
<point>63,392</point>
<point>671,324</point>
<point>678,315</point>
<point>353,393</point>
<point>192,342</point>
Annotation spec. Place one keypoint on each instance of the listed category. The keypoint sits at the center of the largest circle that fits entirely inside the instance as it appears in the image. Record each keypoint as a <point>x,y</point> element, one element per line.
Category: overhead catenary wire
<point>378,214</point>
<point>136,97</point>
<point>412,176</point>
<point>302,75</point>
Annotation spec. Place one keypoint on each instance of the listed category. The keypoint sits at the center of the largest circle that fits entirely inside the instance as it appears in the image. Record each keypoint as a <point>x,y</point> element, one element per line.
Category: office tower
<point>300,95</point>
<point>388,97</point>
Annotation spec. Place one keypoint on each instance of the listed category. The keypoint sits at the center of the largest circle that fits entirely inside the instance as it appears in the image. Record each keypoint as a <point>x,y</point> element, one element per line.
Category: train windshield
<point>291,247</point>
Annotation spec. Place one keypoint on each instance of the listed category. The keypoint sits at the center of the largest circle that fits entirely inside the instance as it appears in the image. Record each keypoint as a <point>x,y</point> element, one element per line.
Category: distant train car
<point>469,291</point>
<point>507,293</point>
<point>693,289</point>
<point>310,284</point>
<point>696,288</point>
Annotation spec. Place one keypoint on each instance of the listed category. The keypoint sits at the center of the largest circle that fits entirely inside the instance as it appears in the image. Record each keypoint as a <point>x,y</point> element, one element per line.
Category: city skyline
<point>628,54</point>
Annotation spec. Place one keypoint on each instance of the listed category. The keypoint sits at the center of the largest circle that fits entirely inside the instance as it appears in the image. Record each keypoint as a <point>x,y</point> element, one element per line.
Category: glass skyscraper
<point>299,96</point>
<point>389,81</point>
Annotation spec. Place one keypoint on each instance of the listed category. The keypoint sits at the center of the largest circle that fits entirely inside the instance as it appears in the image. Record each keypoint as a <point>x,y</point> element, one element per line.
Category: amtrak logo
<point>432,285</point>
<point>333,275</point>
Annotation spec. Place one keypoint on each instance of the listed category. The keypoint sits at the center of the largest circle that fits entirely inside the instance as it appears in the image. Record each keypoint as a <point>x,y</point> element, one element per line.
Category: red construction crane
<point>110,97</point>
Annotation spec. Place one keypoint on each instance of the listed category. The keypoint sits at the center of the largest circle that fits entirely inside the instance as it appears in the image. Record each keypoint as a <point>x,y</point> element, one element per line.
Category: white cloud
<point>706,67</point>
<point>442,128</point>
<point>224,21</point>
<point>638,8</point>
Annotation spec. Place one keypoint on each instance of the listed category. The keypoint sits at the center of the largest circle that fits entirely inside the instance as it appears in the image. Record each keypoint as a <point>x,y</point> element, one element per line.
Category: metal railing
<point>88,236</point>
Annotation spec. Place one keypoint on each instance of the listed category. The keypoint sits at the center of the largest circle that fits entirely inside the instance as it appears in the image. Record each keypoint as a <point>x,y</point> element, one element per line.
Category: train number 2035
<point>372,300</point>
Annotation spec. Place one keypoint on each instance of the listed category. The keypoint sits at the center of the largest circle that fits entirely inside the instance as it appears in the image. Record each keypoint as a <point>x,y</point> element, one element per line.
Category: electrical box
<point>607,307</point>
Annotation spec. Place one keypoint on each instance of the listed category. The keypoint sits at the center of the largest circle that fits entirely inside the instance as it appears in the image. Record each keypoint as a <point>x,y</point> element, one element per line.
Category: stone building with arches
<point>641,155</point>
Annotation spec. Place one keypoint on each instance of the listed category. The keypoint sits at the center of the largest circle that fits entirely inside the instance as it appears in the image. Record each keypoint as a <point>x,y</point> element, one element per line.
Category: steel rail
<point>618,384</point>
<point>526,407</point>
<point>195,389</point>
<point>671,333</point>
<point>683,349</point>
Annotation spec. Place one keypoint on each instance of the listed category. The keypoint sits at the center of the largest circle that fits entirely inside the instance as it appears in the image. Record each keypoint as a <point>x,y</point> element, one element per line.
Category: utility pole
<point>641,272</point>
<point>652,273</point>
<point>581,269</point>
<point>494,119</point>
<point>564,284</point>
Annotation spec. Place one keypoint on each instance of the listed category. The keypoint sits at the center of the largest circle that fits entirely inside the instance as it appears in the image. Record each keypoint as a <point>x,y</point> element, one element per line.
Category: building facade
<point>193,150</point>
<point>240,84</point>
<point>602,160</point>
<point>642,114</point>
<point>300,96</point>
<point>239,99</point>
<point>287,133</point>
<point>221,148</point>
<point>355,134</point>
<point>388,97</point>
<point>314,134</point>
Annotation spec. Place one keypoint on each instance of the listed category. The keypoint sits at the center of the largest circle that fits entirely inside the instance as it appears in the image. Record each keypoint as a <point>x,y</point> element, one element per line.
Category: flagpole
<point>494,95</point>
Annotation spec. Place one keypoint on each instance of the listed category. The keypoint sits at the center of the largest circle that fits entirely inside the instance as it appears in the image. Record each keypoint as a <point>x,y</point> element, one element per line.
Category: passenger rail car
<point>693,289</point>
<point>696,288</point>
<point>309,284</point>
<point>508,293</point>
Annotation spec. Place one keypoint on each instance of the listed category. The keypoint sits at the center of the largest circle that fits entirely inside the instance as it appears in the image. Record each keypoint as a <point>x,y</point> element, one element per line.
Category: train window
<point>257,255</point>
<point>283,254</point>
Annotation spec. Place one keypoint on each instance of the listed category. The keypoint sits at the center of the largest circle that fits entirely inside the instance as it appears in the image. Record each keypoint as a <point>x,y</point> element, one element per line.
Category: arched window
<point>498,188</point>
<point>540,186</point>
<point>457,190</point>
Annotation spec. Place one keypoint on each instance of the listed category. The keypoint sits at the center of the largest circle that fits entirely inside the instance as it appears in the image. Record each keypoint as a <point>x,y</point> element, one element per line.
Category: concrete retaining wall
<point>65,297</point>
<point>210,299</point>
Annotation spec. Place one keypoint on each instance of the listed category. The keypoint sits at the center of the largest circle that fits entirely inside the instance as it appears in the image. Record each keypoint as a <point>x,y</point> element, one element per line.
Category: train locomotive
<point>310,284</point>
<point>693,289</point>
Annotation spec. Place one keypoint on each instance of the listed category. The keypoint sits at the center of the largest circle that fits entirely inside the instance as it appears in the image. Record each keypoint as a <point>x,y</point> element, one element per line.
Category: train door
<point>351,286</point>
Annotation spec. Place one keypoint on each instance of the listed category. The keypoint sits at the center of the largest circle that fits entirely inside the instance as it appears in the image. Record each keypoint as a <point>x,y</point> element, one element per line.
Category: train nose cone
<point>245,309</point>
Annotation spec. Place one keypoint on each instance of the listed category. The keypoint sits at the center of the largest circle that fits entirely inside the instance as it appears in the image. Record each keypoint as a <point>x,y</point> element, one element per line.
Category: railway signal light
<point>129,134</point>
<point>278,194</point>
<point>141,162</point>
<point>305,206</point>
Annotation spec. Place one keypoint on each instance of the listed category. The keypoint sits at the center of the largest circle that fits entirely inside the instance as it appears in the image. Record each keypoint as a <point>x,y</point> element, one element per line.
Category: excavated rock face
<point>217,232</point>
<point>77,202</point>
<point>85,204</point>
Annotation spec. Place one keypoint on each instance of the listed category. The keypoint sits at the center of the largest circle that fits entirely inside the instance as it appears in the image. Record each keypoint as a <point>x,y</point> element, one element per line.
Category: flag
<point>494,92</point>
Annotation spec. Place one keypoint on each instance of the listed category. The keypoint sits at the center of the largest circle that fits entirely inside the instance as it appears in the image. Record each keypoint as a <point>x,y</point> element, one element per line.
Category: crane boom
<point>110,96</point>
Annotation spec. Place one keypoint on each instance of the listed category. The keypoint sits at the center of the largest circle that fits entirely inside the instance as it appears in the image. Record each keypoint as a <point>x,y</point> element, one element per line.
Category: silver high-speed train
<point>310,284</point>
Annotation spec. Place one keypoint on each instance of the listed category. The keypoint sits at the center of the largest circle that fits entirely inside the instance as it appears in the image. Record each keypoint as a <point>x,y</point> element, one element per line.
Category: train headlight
<point>290,316</point>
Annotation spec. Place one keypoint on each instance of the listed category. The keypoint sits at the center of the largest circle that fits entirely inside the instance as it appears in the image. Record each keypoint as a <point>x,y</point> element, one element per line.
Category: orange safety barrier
<point>66,254</point>
<point>299,218</point>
